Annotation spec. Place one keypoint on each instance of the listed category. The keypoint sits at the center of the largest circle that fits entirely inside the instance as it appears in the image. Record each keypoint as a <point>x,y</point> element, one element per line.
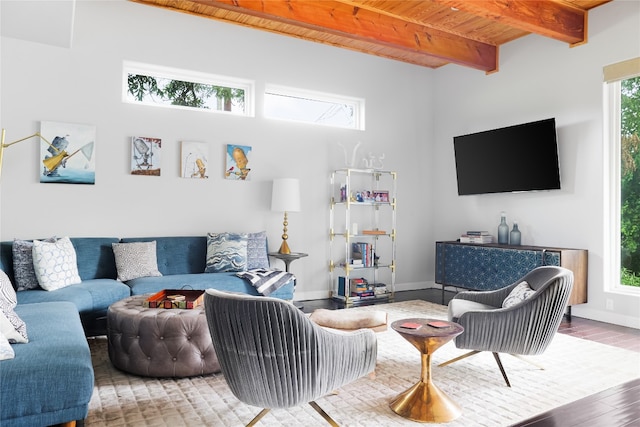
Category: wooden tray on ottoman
<point>175,298</point>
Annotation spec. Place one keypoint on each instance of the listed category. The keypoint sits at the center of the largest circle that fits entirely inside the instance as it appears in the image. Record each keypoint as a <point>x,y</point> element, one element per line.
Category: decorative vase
<point>515,235</point>
<point>503,230</point>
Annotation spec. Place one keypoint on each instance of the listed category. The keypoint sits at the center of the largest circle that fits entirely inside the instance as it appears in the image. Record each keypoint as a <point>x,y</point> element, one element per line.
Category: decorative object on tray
<point>175,298</point>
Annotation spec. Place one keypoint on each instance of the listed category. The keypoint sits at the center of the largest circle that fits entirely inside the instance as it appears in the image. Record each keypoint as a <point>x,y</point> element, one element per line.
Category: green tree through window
<point>158,90</point>
<point>630,182</point>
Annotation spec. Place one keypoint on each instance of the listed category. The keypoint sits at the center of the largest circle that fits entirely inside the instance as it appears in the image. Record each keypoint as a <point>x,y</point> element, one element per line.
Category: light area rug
<point>574,368</point>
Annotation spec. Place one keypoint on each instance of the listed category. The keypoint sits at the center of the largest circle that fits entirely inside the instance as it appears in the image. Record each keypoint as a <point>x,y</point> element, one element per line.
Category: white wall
<point>413,114</point>
<point>541,78</point>
<point>82,84</point>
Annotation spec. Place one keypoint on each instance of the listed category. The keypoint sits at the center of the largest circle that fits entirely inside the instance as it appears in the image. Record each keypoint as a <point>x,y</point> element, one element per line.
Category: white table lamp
<point>285,197</point>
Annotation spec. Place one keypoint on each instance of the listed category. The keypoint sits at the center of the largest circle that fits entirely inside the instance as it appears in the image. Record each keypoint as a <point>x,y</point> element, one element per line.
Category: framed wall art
<point>145,156</point>
<point>238,162</point>
<point>195,160</point>
<point>70,157</point>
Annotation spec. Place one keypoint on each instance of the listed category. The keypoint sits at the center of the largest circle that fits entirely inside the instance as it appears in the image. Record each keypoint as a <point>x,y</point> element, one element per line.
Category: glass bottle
<point>515,234</point>
<point>503,230</point>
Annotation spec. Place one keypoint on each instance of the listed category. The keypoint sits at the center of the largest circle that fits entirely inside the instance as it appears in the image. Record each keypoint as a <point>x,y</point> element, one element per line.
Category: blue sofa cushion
<point>221,281</point>
<point>95,257</point>
<point>50,380</point>
<point>87,296</point>
<point>177,254</point>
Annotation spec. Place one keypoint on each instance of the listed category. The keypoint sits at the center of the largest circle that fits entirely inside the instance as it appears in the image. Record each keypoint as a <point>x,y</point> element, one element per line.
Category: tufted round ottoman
<point>158,342</point>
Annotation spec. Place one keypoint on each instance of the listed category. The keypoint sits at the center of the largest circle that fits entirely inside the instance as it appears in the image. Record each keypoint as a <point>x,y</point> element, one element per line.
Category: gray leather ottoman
<point>157,342</point>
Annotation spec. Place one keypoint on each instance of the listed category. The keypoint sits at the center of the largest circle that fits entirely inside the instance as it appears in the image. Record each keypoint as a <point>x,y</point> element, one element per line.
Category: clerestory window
<point>306,106</point>
<point>176,88</point>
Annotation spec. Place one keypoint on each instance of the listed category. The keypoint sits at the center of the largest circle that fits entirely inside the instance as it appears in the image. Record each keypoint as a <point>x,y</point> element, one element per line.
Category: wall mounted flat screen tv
<point>516,158</point>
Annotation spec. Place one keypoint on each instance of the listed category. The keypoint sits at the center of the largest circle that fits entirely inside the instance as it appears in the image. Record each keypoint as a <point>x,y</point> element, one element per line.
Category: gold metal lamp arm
<point>9,144</point>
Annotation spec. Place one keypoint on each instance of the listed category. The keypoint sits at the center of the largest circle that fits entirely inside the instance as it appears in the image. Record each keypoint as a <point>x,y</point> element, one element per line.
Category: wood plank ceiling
<point>428,33</point>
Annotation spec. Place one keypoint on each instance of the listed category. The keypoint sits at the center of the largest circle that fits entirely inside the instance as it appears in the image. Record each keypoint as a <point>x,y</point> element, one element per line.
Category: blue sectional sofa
<point>50,380</point>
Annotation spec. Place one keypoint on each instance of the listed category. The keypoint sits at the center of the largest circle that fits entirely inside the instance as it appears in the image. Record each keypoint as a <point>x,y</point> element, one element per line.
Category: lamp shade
<point>285,196</point>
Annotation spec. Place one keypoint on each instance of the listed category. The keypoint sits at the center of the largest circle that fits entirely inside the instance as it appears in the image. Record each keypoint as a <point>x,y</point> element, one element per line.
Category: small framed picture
<point>381,196</point>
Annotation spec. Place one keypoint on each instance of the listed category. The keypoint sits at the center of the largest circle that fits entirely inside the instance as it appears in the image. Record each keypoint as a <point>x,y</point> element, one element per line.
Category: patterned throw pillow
<point>55,264</point>
<point>136,259</point>
<point>23,271</point>
<point>6,351</point>
<point>13,327</point>
<point>518,294</point>
<point>257,251</point>
<point>226,252</point>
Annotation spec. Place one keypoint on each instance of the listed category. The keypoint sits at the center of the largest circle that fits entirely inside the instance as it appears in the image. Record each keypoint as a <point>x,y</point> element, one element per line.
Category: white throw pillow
<point>136,259</point>
<point>518,294</point>
<point>6,351</point>
<point>55,264</point>
<point>8,302</point>
<point>9,331</point>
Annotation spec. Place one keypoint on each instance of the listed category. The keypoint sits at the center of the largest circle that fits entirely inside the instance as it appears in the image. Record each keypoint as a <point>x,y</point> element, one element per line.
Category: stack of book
<point>476,237</point>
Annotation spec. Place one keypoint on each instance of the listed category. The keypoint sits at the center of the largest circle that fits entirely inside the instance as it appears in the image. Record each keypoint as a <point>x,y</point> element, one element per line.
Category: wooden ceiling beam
<point>345,20</point>
<point>554,19</point>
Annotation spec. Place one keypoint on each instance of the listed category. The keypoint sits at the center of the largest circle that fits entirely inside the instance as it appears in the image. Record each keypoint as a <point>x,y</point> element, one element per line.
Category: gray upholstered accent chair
<point>273,356</point>
<point>524,328</point>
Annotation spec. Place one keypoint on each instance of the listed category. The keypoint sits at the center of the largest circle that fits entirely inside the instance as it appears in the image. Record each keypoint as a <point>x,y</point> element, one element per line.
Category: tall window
<point>622,88</point>
<point>170,87</point>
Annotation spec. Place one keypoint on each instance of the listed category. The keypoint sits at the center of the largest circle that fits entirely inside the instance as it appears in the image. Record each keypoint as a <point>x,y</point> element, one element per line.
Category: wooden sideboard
<point>492,266</point>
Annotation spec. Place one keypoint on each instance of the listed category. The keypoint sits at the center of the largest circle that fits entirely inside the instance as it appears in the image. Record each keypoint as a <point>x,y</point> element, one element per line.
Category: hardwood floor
<point>616,407</point>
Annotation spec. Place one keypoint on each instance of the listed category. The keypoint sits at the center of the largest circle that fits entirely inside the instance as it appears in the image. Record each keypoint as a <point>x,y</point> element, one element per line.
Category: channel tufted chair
<point>524,328</point>
<point>273,356</point>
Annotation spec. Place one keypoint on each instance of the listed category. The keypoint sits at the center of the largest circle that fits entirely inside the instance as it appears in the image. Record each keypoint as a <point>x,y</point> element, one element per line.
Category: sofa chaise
<point>50,379</point>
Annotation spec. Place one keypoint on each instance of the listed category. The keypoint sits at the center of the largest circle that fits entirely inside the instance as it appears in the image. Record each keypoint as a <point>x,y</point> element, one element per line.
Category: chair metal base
<point>498,361</point>
<point>314,405</point>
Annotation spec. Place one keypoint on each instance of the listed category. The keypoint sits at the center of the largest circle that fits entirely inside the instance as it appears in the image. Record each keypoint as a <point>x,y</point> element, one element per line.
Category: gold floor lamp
<point>285,197</point>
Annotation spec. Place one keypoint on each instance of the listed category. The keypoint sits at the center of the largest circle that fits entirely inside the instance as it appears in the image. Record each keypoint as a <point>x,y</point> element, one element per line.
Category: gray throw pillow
<point>136,259</point>
<point>226,252</point>
<point>23,271</point>
<point>257,256</point>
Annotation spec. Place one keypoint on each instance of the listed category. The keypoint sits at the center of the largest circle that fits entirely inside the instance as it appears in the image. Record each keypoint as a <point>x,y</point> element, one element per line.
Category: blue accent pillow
<point>226,252</point>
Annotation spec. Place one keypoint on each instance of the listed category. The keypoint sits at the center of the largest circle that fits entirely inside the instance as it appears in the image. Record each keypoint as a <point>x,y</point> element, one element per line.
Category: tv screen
<point>516,158</point>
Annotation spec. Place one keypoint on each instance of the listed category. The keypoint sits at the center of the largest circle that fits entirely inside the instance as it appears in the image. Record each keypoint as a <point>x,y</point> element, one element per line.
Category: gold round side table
<point>425,402</point>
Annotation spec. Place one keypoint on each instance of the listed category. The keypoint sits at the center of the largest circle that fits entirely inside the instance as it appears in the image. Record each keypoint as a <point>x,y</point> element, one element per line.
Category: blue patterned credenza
<point>491,266</point>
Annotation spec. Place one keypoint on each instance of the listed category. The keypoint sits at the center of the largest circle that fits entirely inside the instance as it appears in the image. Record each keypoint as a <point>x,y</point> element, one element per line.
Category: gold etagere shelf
<point>362,235</point>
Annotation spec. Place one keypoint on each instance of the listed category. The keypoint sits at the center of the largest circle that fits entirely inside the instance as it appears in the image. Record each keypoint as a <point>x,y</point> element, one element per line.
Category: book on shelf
<point>477,233</point>
<point>362,254</point>
<point>467,238</point>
